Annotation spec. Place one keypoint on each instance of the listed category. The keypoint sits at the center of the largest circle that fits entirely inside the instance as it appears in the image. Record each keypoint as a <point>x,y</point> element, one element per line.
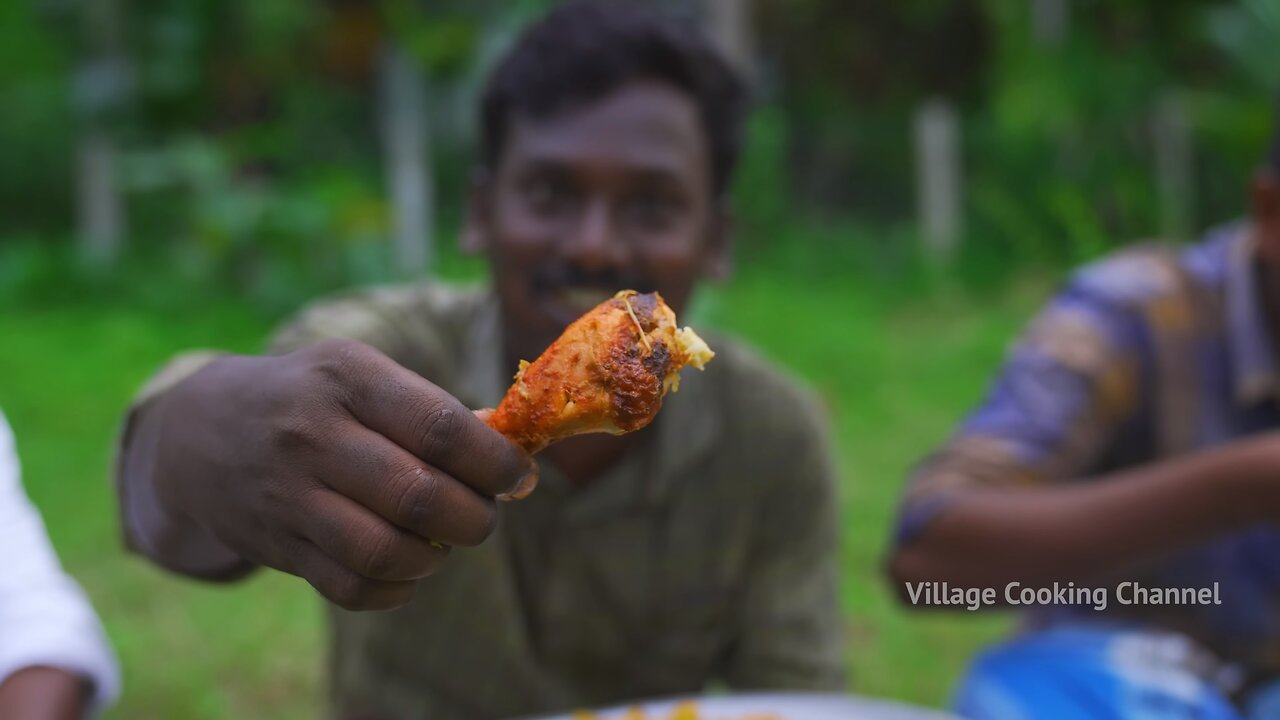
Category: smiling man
<point>699,550</point>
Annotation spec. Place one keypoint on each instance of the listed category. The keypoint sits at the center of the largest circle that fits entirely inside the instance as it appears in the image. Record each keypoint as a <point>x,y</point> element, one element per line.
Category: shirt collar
<point>1252,356</point>
<point>684,432</point>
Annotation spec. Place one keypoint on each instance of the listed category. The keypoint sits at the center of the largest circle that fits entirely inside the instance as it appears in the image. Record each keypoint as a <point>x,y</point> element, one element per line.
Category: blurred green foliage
<point>35,123</point>
<point>252,159</point>
<point>1058,143</point>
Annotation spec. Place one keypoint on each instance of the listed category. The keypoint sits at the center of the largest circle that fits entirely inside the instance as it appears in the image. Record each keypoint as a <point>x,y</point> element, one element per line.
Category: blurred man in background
<point>700,549</point>
<point>55,662</point>
<point>1129,438</point>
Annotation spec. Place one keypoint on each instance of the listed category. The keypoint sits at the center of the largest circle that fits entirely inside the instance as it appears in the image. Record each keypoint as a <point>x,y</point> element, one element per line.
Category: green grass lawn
<point>897,370</point>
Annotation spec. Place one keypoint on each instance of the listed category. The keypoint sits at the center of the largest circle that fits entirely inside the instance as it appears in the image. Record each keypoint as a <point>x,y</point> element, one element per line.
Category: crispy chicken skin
<point>606,373</point>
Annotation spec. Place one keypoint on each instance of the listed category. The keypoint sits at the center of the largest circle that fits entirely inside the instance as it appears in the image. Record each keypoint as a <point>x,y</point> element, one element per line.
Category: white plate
<point>784,706</point>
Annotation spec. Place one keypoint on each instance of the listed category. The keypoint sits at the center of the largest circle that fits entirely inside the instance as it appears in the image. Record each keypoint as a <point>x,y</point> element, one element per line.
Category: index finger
<point>435,426</point>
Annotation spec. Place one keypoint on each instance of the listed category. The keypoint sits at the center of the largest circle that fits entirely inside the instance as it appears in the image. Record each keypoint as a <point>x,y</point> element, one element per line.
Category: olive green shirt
<point>707,554</point>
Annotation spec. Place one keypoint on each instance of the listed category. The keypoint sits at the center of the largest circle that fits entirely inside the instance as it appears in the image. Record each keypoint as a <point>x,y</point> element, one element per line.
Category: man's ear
<point>717,263</point>
<point>1264,212</point>
<point>474,239</point>
<point>1264,198</point>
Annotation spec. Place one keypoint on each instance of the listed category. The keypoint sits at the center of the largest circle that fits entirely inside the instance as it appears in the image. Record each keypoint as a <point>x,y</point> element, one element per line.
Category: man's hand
<point>43,693</point>
<point>332,463</point>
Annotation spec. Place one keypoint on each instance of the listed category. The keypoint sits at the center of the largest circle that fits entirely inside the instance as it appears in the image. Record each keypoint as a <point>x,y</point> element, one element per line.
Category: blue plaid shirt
<point>1153,352</point>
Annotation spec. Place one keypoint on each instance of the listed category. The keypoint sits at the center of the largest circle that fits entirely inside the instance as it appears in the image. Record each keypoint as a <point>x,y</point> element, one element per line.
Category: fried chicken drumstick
<point>606,373</point>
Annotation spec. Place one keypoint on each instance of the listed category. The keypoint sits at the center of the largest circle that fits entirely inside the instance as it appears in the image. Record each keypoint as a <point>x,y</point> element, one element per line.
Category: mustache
<point>554,277</point>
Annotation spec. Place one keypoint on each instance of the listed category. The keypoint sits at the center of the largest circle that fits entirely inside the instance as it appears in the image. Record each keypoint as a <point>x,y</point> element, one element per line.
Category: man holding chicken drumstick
<point>699,549</point>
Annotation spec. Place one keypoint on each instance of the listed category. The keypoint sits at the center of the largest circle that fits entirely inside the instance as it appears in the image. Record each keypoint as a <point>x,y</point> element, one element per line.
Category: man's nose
<point>593,243</point>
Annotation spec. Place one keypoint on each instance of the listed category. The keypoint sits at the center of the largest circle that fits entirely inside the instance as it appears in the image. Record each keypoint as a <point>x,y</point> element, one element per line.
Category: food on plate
<point>608,372</point>
<point>687,710</point>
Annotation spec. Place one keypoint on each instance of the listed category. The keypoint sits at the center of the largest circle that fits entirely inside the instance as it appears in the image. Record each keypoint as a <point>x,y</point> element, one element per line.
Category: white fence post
<point>728,24</point>
<point>100,88</point>
<point>1049,22</point>
<point>99,207</point>
<point>938,182</point>
<point>406,153</point>
<point>1171,139</point>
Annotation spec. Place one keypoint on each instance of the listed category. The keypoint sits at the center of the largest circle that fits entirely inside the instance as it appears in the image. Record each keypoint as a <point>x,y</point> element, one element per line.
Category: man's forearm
<point>151,528</point>
<point>1095,528</point>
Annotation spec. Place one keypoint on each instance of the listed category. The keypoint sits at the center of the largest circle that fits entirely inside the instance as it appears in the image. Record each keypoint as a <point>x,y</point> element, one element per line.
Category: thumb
<point>530,481</point>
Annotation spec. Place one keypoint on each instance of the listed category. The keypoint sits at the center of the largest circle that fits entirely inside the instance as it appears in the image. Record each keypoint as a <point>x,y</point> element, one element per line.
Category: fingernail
<point>522,490</point>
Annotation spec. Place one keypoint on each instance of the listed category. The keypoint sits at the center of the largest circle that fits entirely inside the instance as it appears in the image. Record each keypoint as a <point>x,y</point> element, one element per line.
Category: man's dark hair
<point>583,50</point>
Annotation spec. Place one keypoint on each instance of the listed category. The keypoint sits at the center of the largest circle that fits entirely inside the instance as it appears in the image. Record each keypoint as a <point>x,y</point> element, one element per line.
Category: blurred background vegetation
<point>187,172</point>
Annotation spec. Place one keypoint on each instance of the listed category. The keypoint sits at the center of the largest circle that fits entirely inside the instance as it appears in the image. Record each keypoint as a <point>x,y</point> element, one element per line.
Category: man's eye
<point>548,194</point>
<point>651,211</point>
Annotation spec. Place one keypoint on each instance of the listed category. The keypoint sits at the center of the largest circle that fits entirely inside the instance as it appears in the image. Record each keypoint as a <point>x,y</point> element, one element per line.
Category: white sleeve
<point>45,618</point>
